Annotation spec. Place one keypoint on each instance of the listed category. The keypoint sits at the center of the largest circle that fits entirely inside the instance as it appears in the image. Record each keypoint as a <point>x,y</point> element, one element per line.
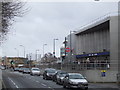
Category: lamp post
<point>24,49</point>
<point>17,51</point>
<point>71,45</point>
<point>43,48</point>
<point>96,0</point>
<point>54,46</point>
<point>36,54</point>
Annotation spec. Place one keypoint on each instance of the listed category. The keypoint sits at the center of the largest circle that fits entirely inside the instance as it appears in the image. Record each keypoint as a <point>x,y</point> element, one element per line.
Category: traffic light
<point>12,62</point>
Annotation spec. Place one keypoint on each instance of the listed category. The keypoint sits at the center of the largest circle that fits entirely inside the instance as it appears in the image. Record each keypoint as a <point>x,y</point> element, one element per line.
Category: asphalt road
<point>13,80</point>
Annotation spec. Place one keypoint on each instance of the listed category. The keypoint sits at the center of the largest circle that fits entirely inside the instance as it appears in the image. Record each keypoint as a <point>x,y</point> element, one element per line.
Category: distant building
<point>16,61</point>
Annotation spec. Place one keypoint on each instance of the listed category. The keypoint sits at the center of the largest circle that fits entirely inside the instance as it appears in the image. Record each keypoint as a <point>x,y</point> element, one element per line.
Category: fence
<point>81,66</point>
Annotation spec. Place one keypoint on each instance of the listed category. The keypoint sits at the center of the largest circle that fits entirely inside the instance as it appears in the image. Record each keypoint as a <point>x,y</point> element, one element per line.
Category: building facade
<point>95,48</point>
<point>93,45</point>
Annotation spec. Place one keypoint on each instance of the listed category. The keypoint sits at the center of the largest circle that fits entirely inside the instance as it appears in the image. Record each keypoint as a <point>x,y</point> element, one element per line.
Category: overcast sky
<point>48,20</point>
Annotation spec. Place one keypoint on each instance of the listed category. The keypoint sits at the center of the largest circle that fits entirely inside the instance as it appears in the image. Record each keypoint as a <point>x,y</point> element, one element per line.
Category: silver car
<point>60,76</point>
<point>75,80</point>
<point>35,71</point>
<point>26,70</point>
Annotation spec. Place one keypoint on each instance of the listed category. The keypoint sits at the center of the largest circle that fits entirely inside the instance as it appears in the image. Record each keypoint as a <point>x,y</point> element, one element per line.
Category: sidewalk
<point>0,79</point>
<point>104,85</point>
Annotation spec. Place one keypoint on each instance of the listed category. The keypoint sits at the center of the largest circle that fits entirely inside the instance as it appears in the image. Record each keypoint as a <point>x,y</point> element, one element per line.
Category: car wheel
<point>68,86</point>
<point>57,82</point>
<point>64,86</point>
<point>43,77</point>
<point>46,78</point>
<point>86,88</point>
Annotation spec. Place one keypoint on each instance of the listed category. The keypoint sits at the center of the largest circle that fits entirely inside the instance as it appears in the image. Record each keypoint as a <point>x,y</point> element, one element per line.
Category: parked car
<point>60,76</point>
<point>20,69</point>
<point>26,70</point>
<point>35,71</point>
<point>2,67</point>
<point>49,73</point>
<point>16,69</point>
<point>54,78</point>
<point>75,80</point>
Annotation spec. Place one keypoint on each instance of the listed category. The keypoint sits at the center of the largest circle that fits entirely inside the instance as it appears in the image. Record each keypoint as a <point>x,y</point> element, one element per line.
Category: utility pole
<point>54,46</point>
<point>24,49</point>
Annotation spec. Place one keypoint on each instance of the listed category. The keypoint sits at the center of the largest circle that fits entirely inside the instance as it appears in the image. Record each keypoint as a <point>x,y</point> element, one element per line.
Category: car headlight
<point>71,82</point>
<point>84,82</point>
<point>48,74</point>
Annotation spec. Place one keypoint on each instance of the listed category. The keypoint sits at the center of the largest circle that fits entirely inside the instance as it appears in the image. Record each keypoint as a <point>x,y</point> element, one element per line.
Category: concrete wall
<point>114,43</point>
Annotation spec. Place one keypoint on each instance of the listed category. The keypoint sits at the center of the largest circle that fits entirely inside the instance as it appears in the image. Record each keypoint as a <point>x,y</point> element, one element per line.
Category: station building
<point>97,50</point>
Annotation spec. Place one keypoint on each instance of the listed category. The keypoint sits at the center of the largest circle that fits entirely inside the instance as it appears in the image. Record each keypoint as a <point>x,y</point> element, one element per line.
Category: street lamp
<point>24,49</point>
<point>36,54</point>
<point>96,0</point>
<point>43,48</point>
<point>54,46</point>
<point>17,51</point>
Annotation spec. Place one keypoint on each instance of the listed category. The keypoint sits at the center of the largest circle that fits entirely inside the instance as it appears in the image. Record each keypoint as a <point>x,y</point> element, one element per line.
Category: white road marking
<point>13,83</point>
<point>43,84</point>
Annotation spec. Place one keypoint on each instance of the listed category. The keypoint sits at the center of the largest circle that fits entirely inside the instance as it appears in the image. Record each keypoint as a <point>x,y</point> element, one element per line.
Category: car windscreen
<point>76,76</point>
<point>27,69</point>
<point>62,74</point>
<point>35,69</point>
<point>51,71</point>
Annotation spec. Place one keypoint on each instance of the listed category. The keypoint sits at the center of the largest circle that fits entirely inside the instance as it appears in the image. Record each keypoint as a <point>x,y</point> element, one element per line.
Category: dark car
<point>49,73</point>
<point>54,78</point>
<point>75,80</point>
<point>60,76</point>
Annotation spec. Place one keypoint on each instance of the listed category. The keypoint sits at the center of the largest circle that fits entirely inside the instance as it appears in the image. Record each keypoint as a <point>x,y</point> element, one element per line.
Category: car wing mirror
<point>85,78</point>
<point>67,78</point>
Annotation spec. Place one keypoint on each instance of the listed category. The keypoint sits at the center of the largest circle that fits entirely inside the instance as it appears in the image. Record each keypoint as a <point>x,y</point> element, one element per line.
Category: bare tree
<point>10,10</point>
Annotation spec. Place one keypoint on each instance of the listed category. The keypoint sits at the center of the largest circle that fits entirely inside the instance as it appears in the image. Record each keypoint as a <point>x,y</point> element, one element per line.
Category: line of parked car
<point>68,80</point>
<point>32,71</point>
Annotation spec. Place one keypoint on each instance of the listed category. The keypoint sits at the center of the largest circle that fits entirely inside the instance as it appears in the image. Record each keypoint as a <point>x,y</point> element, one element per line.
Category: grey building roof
<point>94,23</point>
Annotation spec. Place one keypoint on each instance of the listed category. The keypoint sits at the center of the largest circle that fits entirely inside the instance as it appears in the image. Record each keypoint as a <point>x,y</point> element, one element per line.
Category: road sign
<point>103,73</point>
<point>67,49</point>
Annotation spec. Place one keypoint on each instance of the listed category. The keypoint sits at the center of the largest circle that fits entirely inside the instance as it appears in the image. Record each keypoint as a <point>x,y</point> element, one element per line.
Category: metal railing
<point>82,66</point>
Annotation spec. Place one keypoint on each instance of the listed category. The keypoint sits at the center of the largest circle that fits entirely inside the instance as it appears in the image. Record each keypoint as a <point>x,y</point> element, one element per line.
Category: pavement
<point>104,85</point>
<point>0,79</point>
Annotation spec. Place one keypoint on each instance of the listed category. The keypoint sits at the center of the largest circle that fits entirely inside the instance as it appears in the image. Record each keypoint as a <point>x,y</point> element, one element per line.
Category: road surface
<point>12,80</point>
